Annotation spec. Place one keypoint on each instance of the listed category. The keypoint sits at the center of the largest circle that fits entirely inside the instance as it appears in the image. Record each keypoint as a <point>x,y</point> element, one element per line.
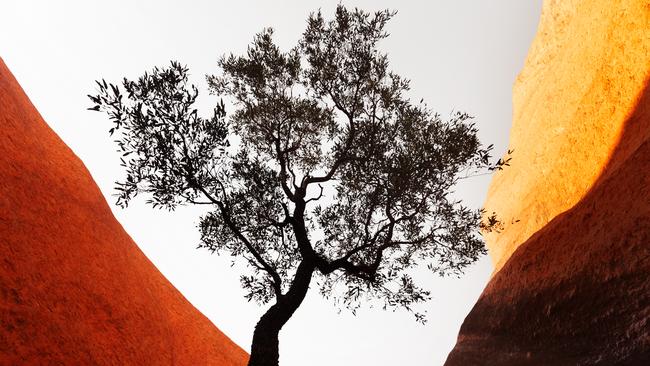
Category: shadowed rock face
<point>572,281</point>
<point>74,288</point>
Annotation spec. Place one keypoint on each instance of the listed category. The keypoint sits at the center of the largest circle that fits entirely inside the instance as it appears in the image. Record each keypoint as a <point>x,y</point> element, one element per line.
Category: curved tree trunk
<point>265,346</point>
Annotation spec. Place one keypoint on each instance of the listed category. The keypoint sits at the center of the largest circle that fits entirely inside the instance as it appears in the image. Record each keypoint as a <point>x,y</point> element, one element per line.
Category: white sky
<point>459,54</point>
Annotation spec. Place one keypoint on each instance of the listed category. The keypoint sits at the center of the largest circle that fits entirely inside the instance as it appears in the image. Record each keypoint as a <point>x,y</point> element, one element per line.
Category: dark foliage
<point>334,172</point>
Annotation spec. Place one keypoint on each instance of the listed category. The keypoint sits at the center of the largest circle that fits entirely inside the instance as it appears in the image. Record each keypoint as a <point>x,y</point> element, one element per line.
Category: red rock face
<point>74,288</point>
<point>576,292</point>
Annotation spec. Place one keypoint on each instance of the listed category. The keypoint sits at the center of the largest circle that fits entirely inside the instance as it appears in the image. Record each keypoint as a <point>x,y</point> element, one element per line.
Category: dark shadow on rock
<point>578,291</point>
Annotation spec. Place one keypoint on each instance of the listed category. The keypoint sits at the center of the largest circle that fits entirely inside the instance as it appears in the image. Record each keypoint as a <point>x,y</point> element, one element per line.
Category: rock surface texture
<point>572,279</point>
<point>74,288</point>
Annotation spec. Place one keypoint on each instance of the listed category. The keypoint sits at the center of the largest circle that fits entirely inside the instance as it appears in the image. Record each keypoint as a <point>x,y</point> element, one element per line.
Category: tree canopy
<point>318,165</point>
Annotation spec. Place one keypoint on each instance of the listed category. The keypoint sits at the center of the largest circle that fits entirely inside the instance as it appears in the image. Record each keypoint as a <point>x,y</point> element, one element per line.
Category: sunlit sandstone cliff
<point>584,74</point>
<point>572,278</point>
<point>74,288</point>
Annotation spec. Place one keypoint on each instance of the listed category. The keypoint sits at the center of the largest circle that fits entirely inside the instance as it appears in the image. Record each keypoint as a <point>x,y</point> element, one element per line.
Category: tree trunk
<point>265,346</point>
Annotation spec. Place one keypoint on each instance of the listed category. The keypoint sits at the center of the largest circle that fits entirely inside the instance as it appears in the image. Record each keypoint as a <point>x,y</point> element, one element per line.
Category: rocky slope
<point>582,79</point>
<point>74,288</point>
<point>571,283</point>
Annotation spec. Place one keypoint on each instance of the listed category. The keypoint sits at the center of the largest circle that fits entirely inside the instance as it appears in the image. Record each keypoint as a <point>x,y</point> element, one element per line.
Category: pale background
<point>459,54</point>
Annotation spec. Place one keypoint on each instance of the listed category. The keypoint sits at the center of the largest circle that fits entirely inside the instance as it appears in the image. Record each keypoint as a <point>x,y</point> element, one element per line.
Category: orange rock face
<point>572,281</point>
<point>74,288</point>
<point>583,77</point>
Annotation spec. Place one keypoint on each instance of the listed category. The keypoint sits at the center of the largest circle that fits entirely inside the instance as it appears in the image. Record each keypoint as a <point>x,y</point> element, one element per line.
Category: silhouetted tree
<point>333,176</point>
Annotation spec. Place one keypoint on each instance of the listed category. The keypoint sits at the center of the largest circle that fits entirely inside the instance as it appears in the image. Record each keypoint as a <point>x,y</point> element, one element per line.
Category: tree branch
<point>283,170</point>
<point>277,281</point>
<point>343,157</point>
<point>320,195</point>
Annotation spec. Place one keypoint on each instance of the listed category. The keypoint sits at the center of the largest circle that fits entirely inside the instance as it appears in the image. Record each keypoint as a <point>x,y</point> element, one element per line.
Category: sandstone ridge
<point>571,285</point>
<point>74,288</point>
<point>581,83</point>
